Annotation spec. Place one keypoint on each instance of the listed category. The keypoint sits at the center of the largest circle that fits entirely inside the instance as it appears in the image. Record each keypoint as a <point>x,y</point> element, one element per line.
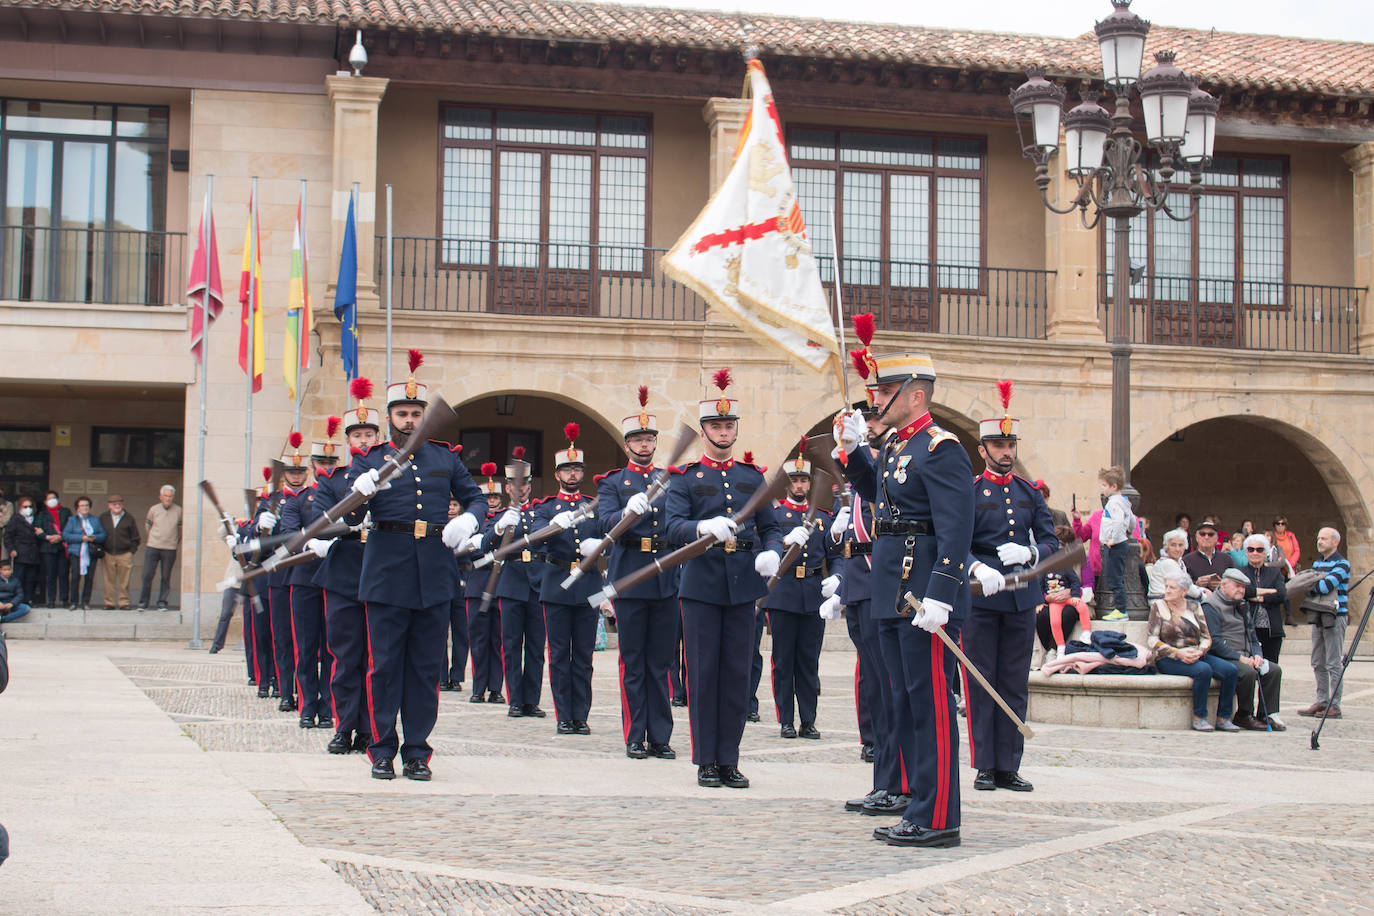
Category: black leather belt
<point>734,545</point>
<point>901,527</point>
<point>989,549</point>
<point>351,536</point>
<point>417,529</point>
<point>857,548</point>
<point>801,572</point>
<point>642,545</point>
<point>566,562</point>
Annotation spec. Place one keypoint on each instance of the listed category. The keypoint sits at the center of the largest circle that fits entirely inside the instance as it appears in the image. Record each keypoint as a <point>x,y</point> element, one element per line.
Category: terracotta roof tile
<point>1263,63</point>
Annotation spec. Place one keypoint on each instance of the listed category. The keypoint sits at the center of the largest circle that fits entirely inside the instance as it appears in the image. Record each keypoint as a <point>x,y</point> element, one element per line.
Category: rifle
<point>694,549</point>
<point>488,593</point>
<point>793,550</point>
<point>1060,560</point>
<point>228,523</point>
<point>271,541</point>
<point>686,437</point>
<point>580,514</point>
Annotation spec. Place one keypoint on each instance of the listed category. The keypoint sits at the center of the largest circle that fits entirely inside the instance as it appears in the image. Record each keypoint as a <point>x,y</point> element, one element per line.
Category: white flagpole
<point>389,273</point>
<point>252,327</point>
<point>195,642</point>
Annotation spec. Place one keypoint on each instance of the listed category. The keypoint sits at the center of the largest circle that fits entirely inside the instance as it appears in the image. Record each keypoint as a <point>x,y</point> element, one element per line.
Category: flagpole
<point>389,273</point>
<point>839,310</point>
<point>301,340</point>
<point>252,327</point>
<point>195,642</point>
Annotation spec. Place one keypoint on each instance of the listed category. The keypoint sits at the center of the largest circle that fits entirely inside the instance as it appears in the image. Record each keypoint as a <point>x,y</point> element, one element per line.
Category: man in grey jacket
<point>1230,621</point>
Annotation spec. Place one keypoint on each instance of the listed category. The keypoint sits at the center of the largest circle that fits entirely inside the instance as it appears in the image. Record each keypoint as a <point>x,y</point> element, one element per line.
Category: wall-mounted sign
<point>62,435</point>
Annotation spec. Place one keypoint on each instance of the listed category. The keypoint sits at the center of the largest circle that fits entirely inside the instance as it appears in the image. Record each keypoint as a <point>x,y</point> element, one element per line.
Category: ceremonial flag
<point>299,320</point>
<point>204,290</point>
<point>346,296</point>
<point>250,298</point>
<point>747,253</point>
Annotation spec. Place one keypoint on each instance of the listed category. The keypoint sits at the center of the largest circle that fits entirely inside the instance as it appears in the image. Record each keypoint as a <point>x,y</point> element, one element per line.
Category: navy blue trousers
<point>250,644</point>
<point>717,639</point>
<point>257,608</point>
<point>484,644</point>
<point>571,631</point>
<point>756,663</point>
<point>346,635</point>
<point>458,630</point>
<point>796,664</point>
<point>865,687</point>
<point>522,650</point>
<point>283,655</point>
<point>883,696</point>
<point>646,633</point>
<point>405,650</point>
<point>925,723</point>
<point>999,644</point>
<point>311,658</point>
<point>675,666</point>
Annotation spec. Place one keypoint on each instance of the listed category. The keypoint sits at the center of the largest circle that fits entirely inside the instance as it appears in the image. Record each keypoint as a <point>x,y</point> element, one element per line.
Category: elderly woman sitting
<point>1179,639</point>
<point>1171,551</point>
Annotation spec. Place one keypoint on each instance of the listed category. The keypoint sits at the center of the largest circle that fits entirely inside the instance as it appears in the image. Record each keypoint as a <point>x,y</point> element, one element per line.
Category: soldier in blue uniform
<point>569,621</point>
<point>307,599</point>
<point>452,682</point>
<point>517,596</point>
<point>718,589</point>
<point>294,478</point>
<point>408,577</point>
<point>647,620</point>
<point>257,615</point>
<point>794,608</point>
<point>1012,529</point>
<point>923,522</point>
<point>341,560</point>
<point>484,629</point>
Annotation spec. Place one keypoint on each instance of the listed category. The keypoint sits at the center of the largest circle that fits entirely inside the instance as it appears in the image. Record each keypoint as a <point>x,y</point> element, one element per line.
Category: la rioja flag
<point>747,253</point>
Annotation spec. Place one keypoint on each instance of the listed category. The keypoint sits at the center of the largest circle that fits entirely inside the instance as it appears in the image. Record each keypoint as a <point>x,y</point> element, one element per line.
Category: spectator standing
<point>12,604</point>
<point>1184,522</point>
<point>1268,591</point>
<point>1328,630</point>
<point>1232,620</point>
<point>1118,524</point>
<point>6,510</point>
<point>21,549</point>
<point>164,537</point>
<point>85,537</point>
<point>1180,641</point>
<point>1206,564</point>
<point>1286,541</point>
<point>121,543</point>
<point>51,519</point>
<point>1088,532</point>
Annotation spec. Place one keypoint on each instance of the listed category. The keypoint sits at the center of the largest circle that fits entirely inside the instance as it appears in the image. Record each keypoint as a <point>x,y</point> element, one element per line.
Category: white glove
<point>319,546</point>
<point>367,484</point>
<point>933,615</point>
<point>1087,595</point>
<point>459,528</point>
<point>797,537</point>
<point>1014,554</point>
<point>766,563</point>
<point>829,586</point>
<point>267,521</point>
<point>473,543</point>
<point>230,541</point>
<point>851,431</point>
<point>991,580</point>
<point>562,521</point>
<point>720,528</point>
<point>588,546</point>
<point>840,524</point>
<point>509,519</point>
<point>831,607</point>
<point>638,504</point>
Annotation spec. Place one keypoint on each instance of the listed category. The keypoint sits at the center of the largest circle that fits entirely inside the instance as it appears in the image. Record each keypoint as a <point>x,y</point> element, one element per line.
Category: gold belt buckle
<point>646,545</point>
<point>847,545</point>
<point>525,556</point>
<point>801,572</point>
<point>730,545</point>
<point>420,528</point>
<point>362,536</point>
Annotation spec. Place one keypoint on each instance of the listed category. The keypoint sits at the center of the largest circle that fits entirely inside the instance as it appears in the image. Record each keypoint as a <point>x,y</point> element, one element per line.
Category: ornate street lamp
<point>1113,172</point>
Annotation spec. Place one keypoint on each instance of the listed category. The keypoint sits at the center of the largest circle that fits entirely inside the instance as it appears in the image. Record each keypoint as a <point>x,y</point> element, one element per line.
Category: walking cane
<point>1349,656</point>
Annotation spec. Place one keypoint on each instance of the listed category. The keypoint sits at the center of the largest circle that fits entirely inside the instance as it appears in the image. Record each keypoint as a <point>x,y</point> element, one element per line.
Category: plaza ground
<point>141,777</point>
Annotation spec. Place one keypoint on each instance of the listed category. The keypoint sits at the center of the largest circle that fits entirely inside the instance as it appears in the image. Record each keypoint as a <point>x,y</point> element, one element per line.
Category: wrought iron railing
<point>550,278</point>
<point>107,266</point>
<point>1249,315</point>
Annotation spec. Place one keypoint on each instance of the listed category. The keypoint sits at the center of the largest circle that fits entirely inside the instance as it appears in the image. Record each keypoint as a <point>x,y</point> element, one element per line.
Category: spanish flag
<point>250,298</point>
<point>299,319</point>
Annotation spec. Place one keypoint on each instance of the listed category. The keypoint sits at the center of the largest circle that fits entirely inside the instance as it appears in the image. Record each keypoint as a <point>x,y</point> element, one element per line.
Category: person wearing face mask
<point>84,536</point>
<point>50,520</point>
<point>21,549</point>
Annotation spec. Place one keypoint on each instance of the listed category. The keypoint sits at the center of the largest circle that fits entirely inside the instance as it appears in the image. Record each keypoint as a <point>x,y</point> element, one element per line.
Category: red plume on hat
<point>801,447</point>
<point>1004,392</point>
<point>643,395</point>
<point>488,468</point>
<point>331,427</point>
<point>518,453</point>
<point>860,360</point>
<point>864,326</point>
<point>295,439</point>
<point>722,379</point>
<point>748,457</point>
<point>415,359</point>
<point>267,474</point>
<point>360,388</point>
<point>571,430</point>
<point>863,360</point>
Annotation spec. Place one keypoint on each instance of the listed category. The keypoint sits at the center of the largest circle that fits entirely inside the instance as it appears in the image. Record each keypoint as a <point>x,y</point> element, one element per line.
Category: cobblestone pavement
<point>519,820</point>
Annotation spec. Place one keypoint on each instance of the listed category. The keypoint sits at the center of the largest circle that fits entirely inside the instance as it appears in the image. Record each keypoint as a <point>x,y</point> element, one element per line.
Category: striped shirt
<point>1335,571</point>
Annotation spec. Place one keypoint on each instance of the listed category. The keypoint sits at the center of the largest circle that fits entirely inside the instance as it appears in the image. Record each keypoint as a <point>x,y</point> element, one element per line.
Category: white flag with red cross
<point>747,252</point>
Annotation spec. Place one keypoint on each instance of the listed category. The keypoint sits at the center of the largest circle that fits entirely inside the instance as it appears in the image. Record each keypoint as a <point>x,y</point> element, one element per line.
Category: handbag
<point>97,550</point>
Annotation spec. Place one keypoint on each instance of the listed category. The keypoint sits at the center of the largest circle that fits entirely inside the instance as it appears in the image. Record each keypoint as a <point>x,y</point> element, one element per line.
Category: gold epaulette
<point>938,435</point>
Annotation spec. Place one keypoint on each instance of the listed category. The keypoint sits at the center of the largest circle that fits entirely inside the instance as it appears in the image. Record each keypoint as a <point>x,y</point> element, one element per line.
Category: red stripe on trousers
<point>940,688</point>
<point>371,669</point>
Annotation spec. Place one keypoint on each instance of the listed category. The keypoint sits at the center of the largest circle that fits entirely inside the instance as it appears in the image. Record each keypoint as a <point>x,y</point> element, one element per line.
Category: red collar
<point>717,465</point>
<point>640,468</point>
<point>998,479</point>
<point>570,497</point>
<point>795,507</point>
<point>394,444</point>
<point>920,423</point>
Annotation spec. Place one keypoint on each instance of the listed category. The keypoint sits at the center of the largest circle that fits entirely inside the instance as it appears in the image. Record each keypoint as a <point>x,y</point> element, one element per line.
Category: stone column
<point>1072,252</point>
<point>1361,162</point>
<point>355,100</point>
<point>726,119</point>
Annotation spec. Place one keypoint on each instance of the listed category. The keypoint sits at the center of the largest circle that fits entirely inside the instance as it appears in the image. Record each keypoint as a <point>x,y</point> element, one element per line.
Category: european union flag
<point>346,296</point>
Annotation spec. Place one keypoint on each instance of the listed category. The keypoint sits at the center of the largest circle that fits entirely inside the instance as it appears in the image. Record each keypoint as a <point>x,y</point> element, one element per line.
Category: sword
<point>839,325</point>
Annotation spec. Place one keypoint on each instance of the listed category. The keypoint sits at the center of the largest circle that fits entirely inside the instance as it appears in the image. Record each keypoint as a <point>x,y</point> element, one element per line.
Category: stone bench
<point>1115,700</point>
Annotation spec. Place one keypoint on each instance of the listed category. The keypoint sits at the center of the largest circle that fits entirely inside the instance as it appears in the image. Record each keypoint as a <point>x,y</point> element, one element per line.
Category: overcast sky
<point>1347,20</point>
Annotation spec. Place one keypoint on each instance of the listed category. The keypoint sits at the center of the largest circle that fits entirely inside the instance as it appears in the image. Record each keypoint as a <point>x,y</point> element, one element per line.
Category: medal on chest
<point>900,473</point>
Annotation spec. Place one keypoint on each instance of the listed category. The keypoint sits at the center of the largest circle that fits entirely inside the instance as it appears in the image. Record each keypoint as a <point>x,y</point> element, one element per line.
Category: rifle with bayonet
<point>229,532</point>
<point>518,482</point>
<point>793,550</point>
<point>1060,560</point>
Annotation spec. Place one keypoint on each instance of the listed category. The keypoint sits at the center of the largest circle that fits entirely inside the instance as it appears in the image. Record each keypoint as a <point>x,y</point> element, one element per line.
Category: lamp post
<point>1115,176</point>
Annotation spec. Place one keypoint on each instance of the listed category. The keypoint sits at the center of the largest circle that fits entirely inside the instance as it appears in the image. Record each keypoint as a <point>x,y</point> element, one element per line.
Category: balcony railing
<point>538,278</point>
<point>106,266</point>
<point>1193,312</point>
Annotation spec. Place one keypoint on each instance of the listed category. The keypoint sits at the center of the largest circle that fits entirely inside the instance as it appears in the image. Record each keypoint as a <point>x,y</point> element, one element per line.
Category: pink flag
<point>203,289</point>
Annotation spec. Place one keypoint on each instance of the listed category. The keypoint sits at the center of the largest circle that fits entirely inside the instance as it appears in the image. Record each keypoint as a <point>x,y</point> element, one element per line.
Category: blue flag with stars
<point>346,297</point>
